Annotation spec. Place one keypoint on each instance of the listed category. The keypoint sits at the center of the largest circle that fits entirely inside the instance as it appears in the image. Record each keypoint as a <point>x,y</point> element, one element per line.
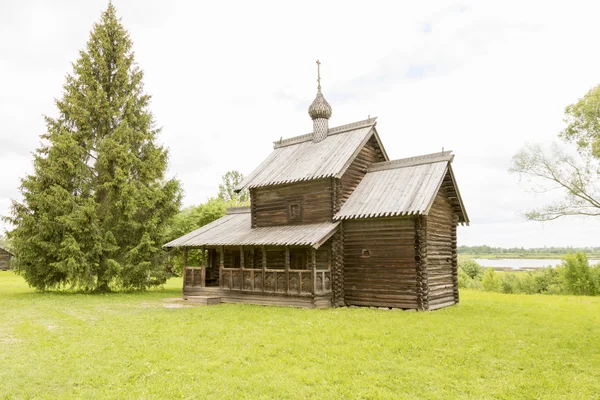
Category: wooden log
<point>421,258</point>
<point>455,260</point>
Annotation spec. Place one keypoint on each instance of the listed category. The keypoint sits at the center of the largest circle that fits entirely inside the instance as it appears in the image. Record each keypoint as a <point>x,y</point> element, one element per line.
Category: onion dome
<point>319,108</point>
<point>320,112</point>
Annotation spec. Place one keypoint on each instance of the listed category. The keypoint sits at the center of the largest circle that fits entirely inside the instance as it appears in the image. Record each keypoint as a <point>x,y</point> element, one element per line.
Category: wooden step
<point>203,300</point>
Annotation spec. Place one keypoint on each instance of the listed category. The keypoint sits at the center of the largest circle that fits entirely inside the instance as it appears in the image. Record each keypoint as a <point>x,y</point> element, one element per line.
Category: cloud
<point>478,77</point>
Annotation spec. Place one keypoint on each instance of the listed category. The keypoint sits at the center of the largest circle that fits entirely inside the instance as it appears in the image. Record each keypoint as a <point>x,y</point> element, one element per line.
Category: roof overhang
<point>235,229</point>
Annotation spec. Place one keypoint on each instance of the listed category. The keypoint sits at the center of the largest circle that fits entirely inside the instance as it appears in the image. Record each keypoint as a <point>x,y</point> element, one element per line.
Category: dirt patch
<point>10,340</point>
<point>177,305</point>
<point>173,300</point>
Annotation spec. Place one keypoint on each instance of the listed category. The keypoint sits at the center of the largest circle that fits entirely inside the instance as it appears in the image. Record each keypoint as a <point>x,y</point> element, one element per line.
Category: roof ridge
<point>237,210</point>
<point>332,131</point>
<point>412,161</point>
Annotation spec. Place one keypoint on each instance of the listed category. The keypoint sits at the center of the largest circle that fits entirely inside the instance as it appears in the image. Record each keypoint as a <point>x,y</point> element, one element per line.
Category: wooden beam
<point>221,265</point>
<point>203,270</point>
<point>185,261</point>
<point>241,267</point>
<point>313,262</point>
<point>252,266</point>
<point>264,266</point>
<point>287,269</point>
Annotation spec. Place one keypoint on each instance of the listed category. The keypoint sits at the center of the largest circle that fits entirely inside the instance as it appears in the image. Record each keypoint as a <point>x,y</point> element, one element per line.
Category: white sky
<point>228,78</point>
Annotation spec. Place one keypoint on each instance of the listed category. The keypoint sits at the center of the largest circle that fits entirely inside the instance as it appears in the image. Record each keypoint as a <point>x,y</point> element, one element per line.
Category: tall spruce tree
<point>95,211</point>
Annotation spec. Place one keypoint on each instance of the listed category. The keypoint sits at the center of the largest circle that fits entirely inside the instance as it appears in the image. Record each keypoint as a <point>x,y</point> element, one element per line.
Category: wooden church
<point>334,222</point>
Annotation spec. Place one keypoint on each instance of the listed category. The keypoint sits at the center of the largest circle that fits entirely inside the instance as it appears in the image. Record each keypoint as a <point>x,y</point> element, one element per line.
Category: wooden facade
<point>5,257</point>
<point>274,205</point>
<point>369,154</point>
<point>380,262</point>
<point>355,229</point>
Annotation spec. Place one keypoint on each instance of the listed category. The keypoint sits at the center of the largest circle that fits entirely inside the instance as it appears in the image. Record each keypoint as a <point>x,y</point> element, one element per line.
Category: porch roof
<point>235,230</point>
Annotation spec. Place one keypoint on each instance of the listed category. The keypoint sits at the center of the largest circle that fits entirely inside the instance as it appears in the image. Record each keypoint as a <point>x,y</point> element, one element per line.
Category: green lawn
<point>141,346</point>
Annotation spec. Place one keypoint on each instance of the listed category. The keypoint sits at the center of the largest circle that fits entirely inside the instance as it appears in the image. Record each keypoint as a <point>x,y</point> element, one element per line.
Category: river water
<point>522,263</point>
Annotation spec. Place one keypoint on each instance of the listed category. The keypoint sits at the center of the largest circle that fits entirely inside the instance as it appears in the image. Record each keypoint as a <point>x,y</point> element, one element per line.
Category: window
<point>366,253</point>
<point>294,210</point>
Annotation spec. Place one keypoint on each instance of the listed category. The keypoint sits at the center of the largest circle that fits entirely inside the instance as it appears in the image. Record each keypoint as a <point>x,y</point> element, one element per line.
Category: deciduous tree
<point>583,122</point>
<point>227,191</point>
<point>576,176</point>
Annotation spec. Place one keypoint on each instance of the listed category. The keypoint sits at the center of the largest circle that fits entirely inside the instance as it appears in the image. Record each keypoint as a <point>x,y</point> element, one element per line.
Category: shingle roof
<point>234,229</point>
<point>299,158</point>
<point>400,187</point>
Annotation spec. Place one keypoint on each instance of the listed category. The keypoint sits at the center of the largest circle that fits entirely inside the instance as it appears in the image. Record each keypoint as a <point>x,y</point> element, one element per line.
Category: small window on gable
<point>295,211</point>
<point>365,253</point>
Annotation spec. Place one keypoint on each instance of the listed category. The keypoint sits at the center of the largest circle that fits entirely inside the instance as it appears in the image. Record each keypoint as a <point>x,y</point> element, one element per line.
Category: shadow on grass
<point>170,289</point>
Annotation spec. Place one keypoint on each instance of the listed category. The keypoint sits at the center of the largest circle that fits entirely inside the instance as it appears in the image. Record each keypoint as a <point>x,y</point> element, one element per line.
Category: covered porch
<point>276,265</point>
<point>279,275</point>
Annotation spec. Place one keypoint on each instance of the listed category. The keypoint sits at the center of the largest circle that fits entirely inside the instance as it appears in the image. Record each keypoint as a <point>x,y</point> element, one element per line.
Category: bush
<point>472,269</point>
<point>510,283</point>
<point>466,282</point>
<point>491,282</point>
<point>547,280</point>
<point>578,277</point>
<point>574,276</point>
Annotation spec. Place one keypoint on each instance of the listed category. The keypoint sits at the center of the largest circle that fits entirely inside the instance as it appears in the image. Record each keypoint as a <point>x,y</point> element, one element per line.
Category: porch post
<point>264,266</point>
<point>221,265</point>
<point>287,269</point>
<point>313,261</point>
<point>203,269</point>
<point>241,267</point>
<point>251,263</point>
<point>185,261</point>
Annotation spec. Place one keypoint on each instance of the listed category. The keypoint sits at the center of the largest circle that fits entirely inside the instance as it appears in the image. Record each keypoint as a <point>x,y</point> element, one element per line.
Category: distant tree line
<point>520,250</point>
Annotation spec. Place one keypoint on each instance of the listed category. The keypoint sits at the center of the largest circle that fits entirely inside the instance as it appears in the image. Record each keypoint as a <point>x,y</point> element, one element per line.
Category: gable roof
<point>300,158</point>
<point>402,187</point>
<point>234,229</point>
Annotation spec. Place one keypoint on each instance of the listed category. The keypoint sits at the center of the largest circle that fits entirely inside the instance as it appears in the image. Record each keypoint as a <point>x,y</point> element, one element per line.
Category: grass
<point>133,346</point>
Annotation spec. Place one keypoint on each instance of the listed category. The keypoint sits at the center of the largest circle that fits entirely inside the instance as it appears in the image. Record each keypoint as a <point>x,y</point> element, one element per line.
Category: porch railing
<point>292,281</point>
<point>264,280</point>
<point>194,277</point>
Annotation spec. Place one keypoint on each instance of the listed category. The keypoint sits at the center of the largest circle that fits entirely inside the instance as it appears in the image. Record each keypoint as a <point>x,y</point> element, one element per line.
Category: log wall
<point>380,266</point>
<point>441,252</point>
<point>270,204</point>
<point>369,154</point>
<point>4,260</point>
